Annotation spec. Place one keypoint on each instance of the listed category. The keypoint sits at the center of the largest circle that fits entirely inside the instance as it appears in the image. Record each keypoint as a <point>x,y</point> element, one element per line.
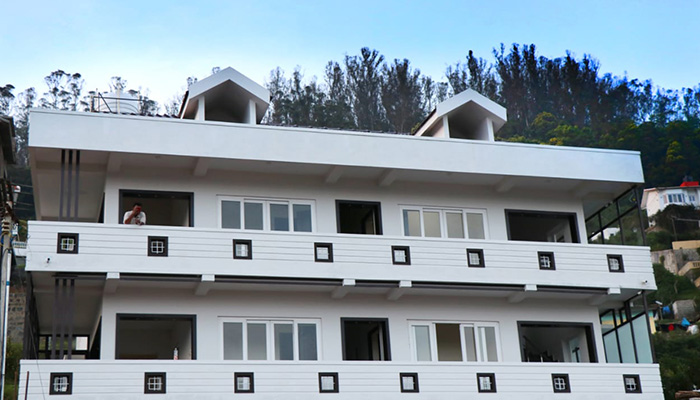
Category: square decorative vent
<point>61,383</point>
<point>242,249</point>
<point>154,382</point>
<point>401,255</point>
<point>67,243</point>
<point>560,383</point>
<point>243,382</point>
<point>328,382</point>
<point>475,258</point>
<point>615,263</point>
<point>323,252</point>
<point>157,246</point>
<point>632,384</point>
<point>486,383</point>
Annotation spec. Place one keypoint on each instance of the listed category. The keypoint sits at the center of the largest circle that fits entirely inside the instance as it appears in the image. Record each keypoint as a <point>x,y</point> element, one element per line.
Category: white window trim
<point>443,220</point>
<point>270,337</point>
<point>266,212</point>
<point>481,348</point>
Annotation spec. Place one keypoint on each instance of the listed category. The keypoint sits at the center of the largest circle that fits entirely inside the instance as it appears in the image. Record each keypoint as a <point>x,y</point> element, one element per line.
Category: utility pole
<point>5,271</point>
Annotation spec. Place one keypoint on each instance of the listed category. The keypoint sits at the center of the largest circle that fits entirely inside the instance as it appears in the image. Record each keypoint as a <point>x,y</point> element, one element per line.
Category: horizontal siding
<point>214,380</point>
<point>119,248</point>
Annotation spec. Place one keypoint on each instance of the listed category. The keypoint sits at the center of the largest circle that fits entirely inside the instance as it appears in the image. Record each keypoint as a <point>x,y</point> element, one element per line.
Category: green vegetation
<point>14,354</point>
<point>672,287</point>
<point>679,356</point>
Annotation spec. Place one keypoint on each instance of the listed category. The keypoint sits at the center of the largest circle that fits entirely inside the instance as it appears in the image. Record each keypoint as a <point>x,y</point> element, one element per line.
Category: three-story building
<point>284,262</point>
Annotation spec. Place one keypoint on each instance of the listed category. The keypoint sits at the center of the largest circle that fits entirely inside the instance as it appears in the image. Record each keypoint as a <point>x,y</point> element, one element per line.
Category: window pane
<point>624,332</point>
<point>411,223</point>
<point>307,342</point>
<point>253,215</point>
<point>231,214</point>
<point>611,353</point>
<point>233,341</point>
<point>432,223</point>
<point>284,342</point>
<point>455,225</point>
<point>257,342</point>
<point>449,345</point>
<point>302,217</point>
<point>470,343</point>
<point>642,340</point>
<point>422,336</point>
<point>488,335</point>
<point>475,226</point>
<point>279,217</point>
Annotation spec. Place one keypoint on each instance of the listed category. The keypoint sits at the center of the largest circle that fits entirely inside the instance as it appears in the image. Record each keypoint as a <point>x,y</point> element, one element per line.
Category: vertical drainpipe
<point>60,196</point>
<point>77,184</point>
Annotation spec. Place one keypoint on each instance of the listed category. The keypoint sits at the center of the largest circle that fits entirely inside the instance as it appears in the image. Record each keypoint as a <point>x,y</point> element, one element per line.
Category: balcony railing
<point>193,251</point>
<point>91,379</point>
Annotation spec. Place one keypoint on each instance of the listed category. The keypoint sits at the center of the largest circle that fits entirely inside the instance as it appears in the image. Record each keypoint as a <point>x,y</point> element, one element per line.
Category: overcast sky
<point>157,44</point>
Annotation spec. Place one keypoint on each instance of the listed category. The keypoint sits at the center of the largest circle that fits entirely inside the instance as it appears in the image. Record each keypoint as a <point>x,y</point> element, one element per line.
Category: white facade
<point>656,199</point>
<point>290,262</point>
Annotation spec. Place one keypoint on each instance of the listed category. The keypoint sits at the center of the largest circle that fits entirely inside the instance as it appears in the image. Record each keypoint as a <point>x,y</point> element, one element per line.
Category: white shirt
<point>137,220</point>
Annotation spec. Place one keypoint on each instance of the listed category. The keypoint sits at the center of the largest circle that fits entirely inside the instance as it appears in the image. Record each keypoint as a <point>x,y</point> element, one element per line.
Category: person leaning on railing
<point>135,216</point>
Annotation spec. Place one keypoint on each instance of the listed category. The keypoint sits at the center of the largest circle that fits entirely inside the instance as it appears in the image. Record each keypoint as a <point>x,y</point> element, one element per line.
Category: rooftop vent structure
<point>117,102</point>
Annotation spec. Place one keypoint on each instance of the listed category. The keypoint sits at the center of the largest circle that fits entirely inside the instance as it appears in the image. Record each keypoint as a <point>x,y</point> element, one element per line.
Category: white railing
<point>93,379</point>
<point>195,251</point>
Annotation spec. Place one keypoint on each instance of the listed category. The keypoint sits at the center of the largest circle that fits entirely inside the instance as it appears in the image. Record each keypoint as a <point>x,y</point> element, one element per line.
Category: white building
<point>293,263</point>
<point>656,199</point>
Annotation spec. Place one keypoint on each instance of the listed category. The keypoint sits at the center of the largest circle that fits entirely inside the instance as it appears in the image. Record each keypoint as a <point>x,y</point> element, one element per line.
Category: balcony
<point>354,380</point>
<point>124,249</point>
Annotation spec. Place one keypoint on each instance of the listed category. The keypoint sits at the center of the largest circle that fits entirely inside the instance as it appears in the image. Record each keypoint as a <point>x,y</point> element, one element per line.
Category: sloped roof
<point>467,102</point>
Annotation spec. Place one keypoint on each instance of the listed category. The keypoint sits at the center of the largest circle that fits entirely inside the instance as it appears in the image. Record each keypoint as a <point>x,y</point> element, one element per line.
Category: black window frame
<point>379,223</point>
<point>153,194</point>
<point>637,380</point>
<point>55,375</point>
<point>566,379</point>
<point>406,250</point>
<point>414,375</point>
<point>148,375</point>
<point>617,257</point>
<point>387,339</point>
<point>549,254</point>
<point>163,239</point>
<point>249,375</point>
<point>136,316</point>
<point>486,375</point>
<point>482,262</point>
<point>590,336</point>
<point>247,242</point>
<point>573,220</point>
<point>328,246</point>
<point>67,235</point>
<point>336,384</point>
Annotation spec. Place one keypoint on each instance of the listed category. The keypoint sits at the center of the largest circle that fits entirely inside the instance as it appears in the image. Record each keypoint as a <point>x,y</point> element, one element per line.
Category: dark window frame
<point>67,235</point>
<point>249,375</point>
<point>575,235</point>
<point>250,249</point>
<point>163,239</point>
<point>191,317</point>
<point>380,230</point>
<point>406,249</point>
<point>617,257</point>
<point>637,380</point>
<point>549,254</point>
<point>590,339</point>
<point>414,375</point>
<point>153,194</point>
<point>387,340</point>
<point>486,375</point>
<point>568,383</point>
<point>336,385</point>
<point>328,246</point>
<point>482,262</point>
<point>54,375</point>
<point>148,375</point>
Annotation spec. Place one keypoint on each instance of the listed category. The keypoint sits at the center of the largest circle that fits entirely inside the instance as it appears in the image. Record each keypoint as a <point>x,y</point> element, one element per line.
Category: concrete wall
<point>674,260</point>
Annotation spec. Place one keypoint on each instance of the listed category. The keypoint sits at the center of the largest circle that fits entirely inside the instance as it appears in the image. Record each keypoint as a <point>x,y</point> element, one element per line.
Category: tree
<point>338,111</point>
<point>401,95</point>
<point>364,81</point>
<point>64,91</point>
<point>6,98</point>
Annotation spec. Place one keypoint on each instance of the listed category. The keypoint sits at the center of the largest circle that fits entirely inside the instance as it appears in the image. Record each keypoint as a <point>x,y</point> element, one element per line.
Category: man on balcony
<point>135,216</point>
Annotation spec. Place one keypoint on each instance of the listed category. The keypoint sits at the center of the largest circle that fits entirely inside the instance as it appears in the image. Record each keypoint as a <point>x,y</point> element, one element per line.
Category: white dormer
<point>468,115</point>
<point>227,96</point>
